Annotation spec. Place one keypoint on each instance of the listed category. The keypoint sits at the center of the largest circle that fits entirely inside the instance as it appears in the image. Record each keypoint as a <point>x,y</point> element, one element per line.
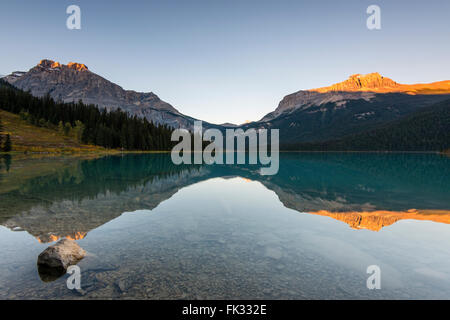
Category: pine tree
<point>1,129</point>
<point>7,147</point>
<point>78,130</point>
<point>67,128</point>
<point>61,127</point>
<point>7,160</point>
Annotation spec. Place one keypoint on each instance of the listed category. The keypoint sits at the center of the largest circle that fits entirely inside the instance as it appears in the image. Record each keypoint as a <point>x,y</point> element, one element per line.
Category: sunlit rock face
<point>356,87</point>
<point>372,81</point>
<point>74,82</point>
<point>50,237</point>
<point>356,215</point>
<point>376,220</point>
<point>77,66</point>
<point>358,104</point>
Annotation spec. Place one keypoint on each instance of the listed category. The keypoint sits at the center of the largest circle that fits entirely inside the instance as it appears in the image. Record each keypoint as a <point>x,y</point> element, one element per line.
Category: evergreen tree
<point>7,159</point>
<point>78,130</point>
<point>114,129</point>
<point>1,129</point>
<point>67,129</point>
<point>61,127</point>
<point>7,147</point>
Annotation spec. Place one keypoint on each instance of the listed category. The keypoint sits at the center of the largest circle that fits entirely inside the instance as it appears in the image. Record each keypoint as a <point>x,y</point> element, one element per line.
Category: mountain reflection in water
<point>366,191</point>
<point>153,230</point>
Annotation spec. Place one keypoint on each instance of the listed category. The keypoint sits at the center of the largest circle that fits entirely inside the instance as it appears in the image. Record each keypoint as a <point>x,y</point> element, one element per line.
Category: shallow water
<point>153,230</point>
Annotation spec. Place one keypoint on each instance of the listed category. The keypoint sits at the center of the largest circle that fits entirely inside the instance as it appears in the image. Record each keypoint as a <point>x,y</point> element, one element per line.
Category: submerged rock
<point>54,261</point>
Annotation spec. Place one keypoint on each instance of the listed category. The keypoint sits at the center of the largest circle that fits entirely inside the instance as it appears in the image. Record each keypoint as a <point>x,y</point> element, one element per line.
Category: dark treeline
<point>114,129</point>
<point>425,130</point>
<point>1,136</point>
<point>7,145</point>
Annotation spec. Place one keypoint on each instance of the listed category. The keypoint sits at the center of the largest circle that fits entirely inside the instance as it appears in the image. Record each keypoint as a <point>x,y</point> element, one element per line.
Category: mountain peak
<point>77,66</point>
<point>357,86</point>
<point>50,64</point>
<point>74,82</point>
<point>362,82</point>
<point>46,63</point>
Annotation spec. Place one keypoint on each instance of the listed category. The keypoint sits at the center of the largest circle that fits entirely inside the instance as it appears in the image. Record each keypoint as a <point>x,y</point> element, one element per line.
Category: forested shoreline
<point>425,130</point>
<point>113,130</point>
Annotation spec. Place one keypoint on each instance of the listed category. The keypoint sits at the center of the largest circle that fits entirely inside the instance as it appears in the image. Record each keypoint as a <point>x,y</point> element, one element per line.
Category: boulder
<point>54,261</point>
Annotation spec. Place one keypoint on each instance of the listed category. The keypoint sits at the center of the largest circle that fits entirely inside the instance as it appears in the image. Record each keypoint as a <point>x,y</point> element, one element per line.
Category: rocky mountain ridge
<point>74,82</point>
<point>356,87</point>
<point>359,104</point>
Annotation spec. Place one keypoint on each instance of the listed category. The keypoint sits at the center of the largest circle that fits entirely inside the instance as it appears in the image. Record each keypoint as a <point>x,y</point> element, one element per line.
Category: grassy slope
<point>30,138</point>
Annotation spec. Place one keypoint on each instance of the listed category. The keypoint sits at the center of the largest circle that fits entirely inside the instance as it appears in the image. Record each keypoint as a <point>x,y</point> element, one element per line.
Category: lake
<point>154,230</point>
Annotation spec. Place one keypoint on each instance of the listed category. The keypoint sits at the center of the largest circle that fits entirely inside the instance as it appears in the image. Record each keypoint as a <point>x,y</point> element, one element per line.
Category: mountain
<point>355,105</point>
<point>359,104</point>
<point>427,129</point>
<point>74,82</point>
<point>374,82</point>
<point>228,125</point>
<point>86,123</point>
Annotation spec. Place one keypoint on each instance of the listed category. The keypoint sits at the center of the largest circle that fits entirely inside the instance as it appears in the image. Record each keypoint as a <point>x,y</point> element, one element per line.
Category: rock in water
<point>54,261</point>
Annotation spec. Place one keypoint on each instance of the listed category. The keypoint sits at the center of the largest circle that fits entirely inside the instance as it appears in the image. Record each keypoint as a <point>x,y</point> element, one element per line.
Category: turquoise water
<point>154,230</point>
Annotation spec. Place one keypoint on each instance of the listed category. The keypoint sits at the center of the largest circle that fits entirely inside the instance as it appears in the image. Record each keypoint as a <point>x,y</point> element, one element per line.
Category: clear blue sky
<point>229,60</point>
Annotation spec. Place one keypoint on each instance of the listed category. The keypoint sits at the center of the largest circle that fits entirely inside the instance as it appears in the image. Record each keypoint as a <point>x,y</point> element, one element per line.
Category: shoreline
<point>118,152</point>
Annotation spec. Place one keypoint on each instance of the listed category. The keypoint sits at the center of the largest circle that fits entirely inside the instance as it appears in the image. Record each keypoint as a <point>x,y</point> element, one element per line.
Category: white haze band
<point>182,152</point>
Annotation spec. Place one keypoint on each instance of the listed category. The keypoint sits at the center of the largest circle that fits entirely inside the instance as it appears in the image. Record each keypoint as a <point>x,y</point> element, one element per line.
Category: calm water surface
<point>153,230</point>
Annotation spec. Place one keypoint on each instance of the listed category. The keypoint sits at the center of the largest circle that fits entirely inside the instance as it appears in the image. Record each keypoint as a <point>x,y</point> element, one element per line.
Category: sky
<point>228,60</point>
